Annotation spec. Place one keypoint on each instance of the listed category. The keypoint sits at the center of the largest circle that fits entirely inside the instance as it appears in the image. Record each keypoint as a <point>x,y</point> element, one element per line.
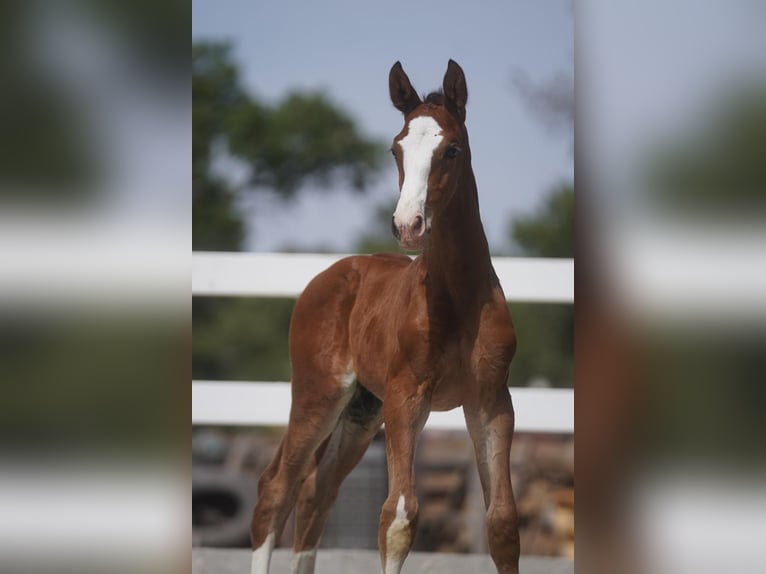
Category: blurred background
<point>95,228</point>
<point>292,123</point>
<point>671,286</point>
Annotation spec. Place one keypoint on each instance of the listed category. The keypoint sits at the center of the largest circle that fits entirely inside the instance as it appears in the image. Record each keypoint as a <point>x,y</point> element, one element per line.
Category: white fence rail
<point>286,275</point>
<point>524,279</point>
<point>268,404</point>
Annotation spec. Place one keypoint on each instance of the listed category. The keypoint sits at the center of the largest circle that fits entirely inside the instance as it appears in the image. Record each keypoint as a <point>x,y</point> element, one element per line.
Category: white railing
<point>268,404</point>
<point>531,280</point>
<point>285,275</point>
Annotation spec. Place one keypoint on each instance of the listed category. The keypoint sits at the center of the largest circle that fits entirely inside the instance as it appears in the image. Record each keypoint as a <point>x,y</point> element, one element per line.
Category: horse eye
<point>451,152</point>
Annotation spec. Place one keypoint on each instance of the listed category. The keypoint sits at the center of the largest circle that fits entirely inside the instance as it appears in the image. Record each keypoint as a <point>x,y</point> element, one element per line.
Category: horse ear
<point>403,95</point>
<point>455,89</point>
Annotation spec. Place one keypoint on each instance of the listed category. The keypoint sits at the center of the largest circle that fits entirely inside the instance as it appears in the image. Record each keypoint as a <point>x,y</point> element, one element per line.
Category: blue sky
<point>347,48</point>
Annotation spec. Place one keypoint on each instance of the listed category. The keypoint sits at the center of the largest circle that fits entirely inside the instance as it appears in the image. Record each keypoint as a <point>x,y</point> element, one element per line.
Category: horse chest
<point>443,365</point>
<point>450,375</point>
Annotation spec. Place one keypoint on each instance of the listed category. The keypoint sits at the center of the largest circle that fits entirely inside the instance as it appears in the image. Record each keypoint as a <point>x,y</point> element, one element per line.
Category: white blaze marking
<point>303,562</point>
<point>397,539</point>
<point>262,556</point>
<point>424,135</point>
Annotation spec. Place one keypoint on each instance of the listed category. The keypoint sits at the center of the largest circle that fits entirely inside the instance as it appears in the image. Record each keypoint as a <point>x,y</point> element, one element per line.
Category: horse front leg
<point>405,410</point>
<point>490,419</point>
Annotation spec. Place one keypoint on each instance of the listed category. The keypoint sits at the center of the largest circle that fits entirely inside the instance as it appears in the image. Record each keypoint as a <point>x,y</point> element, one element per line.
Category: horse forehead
<point>422,131</point>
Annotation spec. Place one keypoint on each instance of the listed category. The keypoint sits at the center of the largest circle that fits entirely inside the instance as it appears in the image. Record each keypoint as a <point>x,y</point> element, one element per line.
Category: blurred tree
<point>217,223</point>
<point>545,331</point>
<point>153,33</point>
<point>242,339</point>
<point>215,92</point>
<point>303,139</point>
<point>550,232</point>
<point>46,151</point>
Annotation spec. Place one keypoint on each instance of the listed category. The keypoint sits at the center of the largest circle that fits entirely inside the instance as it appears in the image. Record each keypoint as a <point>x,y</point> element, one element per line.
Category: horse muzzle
<point>410,235</point>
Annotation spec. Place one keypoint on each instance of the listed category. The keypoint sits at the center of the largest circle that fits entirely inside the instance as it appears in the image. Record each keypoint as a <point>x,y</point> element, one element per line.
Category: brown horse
<point>385,339</point>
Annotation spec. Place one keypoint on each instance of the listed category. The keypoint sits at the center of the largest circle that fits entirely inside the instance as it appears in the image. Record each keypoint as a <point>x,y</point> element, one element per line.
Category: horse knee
<point>313,503</point>
<point>306,503</point>
<point>267,491</point>
<point>266,478</point>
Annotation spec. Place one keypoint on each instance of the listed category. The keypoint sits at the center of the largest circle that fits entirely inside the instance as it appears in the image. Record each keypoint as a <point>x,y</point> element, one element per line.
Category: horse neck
<point>460,274</point>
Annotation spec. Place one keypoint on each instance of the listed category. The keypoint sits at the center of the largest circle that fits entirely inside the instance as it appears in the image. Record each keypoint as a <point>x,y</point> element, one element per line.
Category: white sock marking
<point>303,562</point>
<point>262,556</point>
<point>397,539</point>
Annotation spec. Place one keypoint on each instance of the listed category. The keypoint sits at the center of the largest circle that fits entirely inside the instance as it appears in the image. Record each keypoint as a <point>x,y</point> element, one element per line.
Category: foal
<point>385,339</point>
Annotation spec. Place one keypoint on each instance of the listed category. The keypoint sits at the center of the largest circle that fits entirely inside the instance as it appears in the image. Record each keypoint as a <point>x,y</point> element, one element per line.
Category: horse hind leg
<point>337,457</point>
<point>312,419</point>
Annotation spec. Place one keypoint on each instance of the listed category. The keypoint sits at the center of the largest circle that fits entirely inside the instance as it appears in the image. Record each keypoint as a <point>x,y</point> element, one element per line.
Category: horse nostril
<point>394,229</point>
<point>418,228</point>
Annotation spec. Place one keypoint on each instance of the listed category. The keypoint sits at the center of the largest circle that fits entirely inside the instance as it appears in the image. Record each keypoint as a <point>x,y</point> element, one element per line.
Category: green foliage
<point>545,350</point>
<point>304,137</point>
<point>550,232</point>
<point>217,225</point>
<point>46,150</point>
<point>215,92</point>
<point>101,382</point>
<point>241,339</point>
<point>699,376</point>
<point>154,34</point>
